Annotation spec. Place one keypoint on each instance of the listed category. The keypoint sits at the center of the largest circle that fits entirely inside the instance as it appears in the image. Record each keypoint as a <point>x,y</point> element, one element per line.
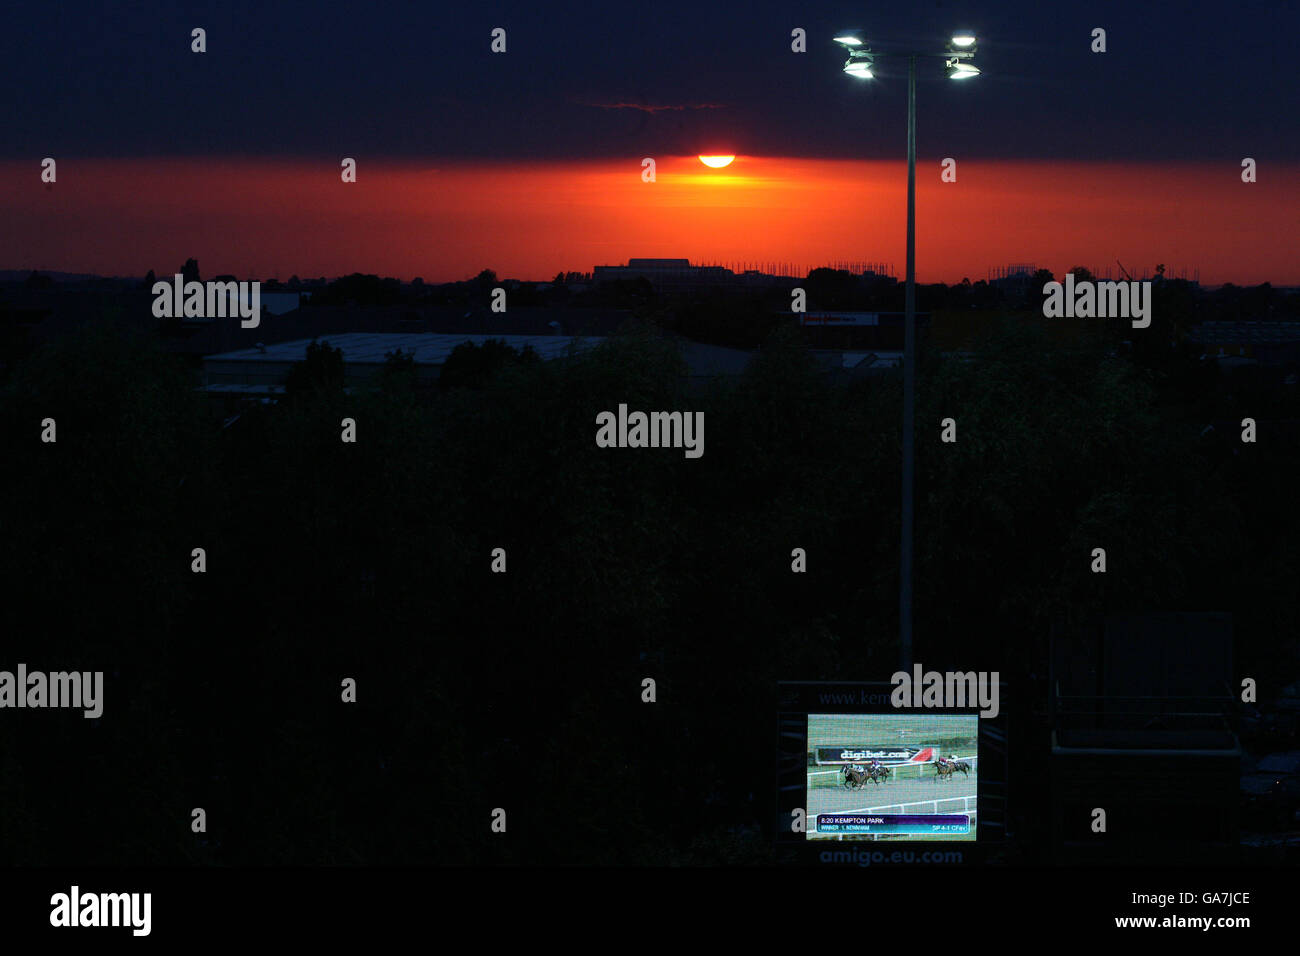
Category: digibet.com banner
<point>855,754</point>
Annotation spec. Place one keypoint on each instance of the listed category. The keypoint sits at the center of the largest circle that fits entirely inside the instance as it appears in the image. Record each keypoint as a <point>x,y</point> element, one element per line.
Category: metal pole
<point>909,383</point>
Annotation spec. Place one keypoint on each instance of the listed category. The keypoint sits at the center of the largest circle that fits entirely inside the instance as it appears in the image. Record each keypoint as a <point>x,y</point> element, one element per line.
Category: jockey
<point>875,764</point>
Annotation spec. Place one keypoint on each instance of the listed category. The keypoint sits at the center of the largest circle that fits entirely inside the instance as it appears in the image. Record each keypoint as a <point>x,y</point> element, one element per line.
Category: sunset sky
<point>529,162</point>
<point>532,220</point>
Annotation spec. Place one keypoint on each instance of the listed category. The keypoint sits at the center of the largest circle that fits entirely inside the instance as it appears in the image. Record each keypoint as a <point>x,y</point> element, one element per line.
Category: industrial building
<point>261,370</point>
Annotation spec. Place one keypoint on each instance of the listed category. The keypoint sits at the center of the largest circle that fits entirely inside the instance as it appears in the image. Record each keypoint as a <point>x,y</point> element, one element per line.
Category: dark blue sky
<point>1180,81</point>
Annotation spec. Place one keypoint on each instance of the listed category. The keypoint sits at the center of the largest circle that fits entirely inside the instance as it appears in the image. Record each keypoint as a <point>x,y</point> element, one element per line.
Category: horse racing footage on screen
<point>891,777</point>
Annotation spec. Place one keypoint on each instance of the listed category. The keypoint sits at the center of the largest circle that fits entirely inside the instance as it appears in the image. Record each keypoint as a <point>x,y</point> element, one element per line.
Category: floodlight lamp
<point>859,65</point>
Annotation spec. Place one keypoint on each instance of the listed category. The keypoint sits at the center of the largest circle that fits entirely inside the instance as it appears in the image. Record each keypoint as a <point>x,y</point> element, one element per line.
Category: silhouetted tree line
<point>360,290</point>
<point>522,690</point>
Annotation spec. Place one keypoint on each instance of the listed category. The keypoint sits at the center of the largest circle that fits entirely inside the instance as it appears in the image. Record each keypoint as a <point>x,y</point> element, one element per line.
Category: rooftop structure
<point>262,370</point>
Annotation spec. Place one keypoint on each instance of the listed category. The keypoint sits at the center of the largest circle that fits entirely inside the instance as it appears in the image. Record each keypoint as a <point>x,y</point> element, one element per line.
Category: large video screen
<point>892,777</point>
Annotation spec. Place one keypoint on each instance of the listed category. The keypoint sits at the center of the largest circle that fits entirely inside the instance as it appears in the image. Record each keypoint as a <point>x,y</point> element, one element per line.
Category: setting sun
<point>717,162</point>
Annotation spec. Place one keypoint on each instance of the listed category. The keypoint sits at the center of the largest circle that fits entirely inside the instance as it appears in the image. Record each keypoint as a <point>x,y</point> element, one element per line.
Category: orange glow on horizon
<point>529,220</point>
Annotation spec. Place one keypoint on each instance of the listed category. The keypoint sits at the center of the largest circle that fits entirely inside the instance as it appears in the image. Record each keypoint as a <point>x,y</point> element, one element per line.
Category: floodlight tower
<point>958,64</point>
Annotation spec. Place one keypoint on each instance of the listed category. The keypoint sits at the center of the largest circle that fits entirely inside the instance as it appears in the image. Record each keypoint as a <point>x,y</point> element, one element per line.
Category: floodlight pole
<point>909,386</point>
<point>862,59</point>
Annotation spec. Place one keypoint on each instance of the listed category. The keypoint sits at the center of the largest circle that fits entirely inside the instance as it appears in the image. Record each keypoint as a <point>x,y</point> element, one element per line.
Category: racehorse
<point>877,775</point>
<point>945,768</point>
<point>852,778</point>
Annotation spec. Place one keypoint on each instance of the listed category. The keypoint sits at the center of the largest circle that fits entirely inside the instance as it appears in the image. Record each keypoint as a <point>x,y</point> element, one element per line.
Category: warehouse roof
<point>429,349</point>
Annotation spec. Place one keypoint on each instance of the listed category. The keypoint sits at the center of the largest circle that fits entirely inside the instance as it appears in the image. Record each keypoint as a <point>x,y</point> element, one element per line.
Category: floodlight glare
<point>859,65</point>
<point>962,70</point>
<point>849,38</point>
<point>963,40</point>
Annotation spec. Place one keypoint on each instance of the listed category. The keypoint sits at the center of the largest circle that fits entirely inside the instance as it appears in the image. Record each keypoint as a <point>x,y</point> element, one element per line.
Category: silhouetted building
<point>665,273</point>
<point>261,371</point>
<point>1269,343</point>
<point>860,331</point>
